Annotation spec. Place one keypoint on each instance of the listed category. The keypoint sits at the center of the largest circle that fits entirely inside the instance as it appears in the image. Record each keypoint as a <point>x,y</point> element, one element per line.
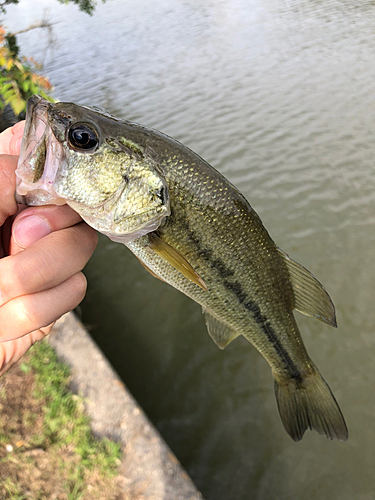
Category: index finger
<point>8,205</point>
<point>11,138</point>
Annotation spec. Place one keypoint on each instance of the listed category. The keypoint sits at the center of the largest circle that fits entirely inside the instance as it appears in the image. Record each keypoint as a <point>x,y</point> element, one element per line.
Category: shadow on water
<point>209,405</point>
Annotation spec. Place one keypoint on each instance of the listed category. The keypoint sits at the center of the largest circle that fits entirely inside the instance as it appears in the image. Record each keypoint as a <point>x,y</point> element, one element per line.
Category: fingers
<point>11,138</point>
<point>41,279</point>
<point>10,144</point>
<point>8,205</point>
<point>13,350</point>
<point>47,262</point>
<point>36,222</point>
<point>30,312</point>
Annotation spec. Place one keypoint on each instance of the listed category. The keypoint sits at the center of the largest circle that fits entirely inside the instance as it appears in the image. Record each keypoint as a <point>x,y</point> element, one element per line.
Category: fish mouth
<point>131,227</point>
<point>152,219</point>
<point>40,157</point>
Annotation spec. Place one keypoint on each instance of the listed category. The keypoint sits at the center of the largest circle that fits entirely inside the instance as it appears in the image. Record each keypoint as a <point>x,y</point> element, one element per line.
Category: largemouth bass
<point>190,228</point>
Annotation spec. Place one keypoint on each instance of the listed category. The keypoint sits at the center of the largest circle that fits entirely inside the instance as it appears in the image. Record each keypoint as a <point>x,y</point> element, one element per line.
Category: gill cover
<point>79,156</point>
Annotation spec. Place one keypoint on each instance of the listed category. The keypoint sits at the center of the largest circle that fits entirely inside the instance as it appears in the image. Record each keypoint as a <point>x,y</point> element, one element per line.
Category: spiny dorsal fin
<point>310,297</point>
<point>221,334</point>
<point>175,259</point>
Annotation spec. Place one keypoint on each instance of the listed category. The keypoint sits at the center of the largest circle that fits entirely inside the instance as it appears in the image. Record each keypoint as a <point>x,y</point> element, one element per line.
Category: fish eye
<point>83,136</point>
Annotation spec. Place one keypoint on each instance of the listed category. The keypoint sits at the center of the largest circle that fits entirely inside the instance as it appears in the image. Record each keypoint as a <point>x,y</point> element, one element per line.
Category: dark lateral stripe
<point>266,327</point>
<point>272,337</point>
<point>206,253</point>
<point>251,306</point>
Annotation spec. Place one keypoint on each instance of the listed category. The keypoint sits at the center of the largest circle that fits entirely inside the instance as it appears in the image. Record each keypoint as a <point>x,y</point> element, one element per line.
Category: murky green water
<point>279,96</point>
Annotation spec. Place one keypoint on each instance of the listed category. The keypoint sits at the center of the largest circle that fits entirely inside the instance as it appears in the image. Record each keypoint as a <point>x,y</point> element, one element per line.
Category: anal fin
<point>310,297</point>
<point>220,333</point>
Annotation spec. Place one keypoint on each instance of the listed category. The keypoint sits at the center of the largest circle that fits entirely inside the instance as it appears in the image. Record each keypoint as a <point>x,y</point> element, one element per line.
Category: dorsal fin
<point>175,259</point>
<point>310,297</point>
<point>221,334</point>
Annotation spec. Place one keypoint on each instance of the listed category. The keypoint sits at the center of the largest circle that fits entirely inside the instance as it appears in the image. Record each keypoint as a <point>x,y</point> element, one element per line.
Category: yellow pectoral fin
<point>175,259</point>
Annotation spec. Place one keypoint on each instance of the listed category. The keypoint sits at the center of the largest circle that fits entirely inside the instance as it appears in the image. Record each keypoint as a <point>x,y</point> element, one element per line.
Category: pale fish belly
<point>277,338</point>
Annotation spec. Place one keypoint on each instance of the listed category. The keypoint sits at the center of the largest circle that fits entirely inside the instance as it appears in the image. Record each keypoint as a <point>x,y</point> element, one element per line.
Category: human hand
<point>42,252</point>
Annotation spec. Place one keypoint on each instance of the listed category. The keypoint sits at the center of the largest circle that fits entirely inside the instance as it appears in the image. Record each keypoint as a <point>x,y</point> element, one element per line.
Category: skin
<point>42,252</point>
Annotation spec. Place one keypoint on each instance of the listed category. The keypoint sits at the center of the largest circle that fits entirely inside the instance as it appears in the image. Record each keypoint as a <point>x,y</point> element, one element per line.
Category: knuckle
<point>28,271</point>
<point>94,238</point>
<point>80,285</point>
<point>84,238</point>
<point>90,236</point>
<point>24,315</point>
<point>12,278</point>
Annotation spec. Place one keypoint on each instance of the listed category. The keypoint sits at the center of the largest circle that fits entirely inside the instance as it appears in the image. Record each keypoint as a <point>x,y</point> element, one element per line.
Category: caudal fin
<point>309,403</point>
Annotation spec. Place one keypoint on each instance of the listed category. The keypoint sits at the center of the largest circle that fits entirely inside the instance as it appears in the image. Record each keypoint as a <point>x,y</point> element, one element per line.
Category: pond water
<point>279,96</point>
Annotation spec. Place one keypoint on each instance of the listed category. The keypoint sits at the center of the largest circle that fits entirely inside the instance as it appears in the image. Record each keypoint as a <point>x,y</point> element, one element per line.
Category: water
<point>279,96</point>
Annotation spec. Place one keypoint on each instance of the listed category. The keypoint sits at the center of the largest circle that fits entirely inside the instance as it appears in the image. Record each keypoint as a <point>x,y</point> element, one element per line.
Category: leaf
<point>5,87</point>
<point>18,105</point>
<point>26,85</point>
<point>9,65</point>
<point>10,95</point>
<point>19,66</point>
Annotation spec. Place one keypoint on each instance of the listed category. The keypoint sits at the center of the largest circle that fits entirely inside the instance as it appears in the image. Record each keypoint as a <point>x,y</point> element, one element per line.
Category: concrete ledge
<point>149,470</point>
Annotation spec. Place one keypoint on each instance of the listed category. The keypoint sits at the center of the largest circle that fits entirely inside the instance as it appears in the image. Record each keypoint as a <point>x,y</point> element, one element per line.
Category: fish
<point>191,228</point>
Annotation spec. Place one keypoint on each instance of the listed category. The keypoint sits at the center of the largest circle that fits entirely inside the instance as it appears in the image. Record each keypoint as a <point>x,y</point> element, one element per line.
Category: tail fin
<point>309,403</point>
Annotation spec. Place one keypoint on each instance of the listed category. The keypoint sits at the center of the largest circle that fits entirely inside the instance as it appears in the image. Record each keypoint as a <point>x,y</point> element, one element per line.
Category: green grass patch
<point>47,449</point>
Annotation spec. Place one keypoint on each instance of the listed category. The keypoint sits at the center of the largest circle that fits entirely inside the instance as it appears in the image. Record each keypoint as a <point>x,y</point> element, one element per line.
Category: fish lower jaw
<point>28,193</point>
<point>124,234</point>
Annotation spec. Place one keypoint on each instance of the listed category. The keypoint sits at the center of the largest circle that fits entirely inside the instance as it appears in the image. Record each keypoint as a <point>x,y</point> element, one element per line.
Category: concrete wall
<point>149,470</point>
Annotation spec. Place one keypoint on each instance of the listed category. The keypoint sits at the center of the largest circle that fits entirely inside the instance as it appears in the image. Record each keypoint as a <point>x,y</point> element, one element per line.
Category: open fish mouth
<point>56,167</point>
<point>40,157</point>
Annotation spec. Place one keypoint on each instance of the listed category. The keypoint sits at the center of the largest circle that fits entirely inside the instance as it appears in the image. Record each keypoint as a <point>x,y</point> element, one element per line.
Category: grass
<point>47,449</point>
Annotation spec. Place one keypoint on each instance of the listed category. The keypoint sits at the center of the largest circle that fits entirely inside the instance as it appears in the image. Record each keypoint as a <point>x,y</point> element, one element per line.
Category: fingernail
<point>17,145</point>
<point>18,126</point>
<point>30,229</point>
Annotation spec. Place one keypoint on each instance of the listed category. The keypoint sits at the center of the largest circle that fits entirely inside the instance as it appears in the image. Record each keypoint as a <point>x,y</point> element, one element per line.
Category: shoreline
<point>148,467</point>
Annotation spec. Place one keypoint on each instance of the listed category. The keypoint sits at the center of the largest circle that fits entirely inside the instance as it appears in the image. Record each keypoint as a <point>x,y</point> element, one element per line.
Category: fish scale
<point>222,271</point>
<point>190,227</point>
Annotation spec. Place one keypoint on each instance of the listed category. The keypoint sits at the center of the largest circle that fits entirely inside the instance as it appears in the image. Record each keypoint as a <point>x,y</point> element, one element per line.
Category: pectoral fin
<point>175,259</point>
<point>221,334</point>
<point>310,297</point>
